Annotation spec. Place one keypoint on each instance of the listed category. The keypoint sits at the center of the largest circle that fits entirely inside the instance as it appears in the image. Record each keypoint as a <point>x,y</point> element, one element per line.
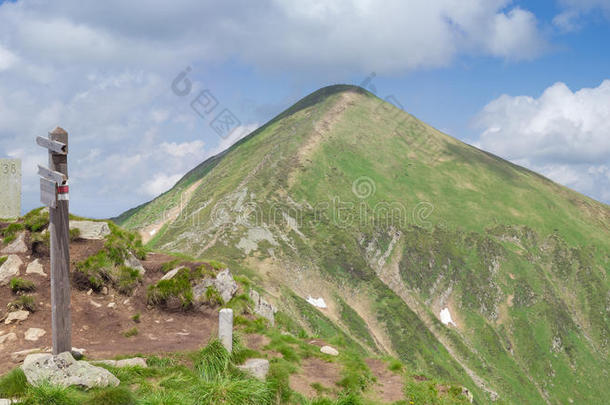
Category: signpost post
<point>54,194</point>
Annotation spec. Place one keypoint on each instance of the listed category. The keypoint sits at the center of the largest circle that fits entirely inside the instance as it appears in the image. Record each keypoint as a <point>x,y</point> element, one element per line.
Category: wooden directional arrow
<point>52,146</point>
<point>48,193</point>
<point>57,177</point>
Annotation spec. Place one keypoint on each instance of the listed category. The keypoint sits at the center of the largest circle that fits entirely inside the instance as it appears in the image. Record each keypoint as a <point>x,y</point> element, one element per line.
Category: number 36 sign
<point>10,188</point>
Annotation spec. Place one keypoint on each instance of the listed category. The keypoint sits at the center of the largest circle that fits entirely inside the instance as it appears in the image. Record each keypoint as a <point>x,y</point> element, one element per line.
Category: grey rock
<point>466,392</point>
<point>16,357</point>
<point>331,351</point>
<point>133,262</point>
<point>259,368</point>
<point>9,337</point>
<point>134,362</point>
<point>171,274</point>
<point>35,268</point>
<point>224,283</point>
<point>33,334</point>
<point>91,229</point>
<point>16,246</point>
<point>7,402</point>
<point>9,269</point>
<point>262,307</point>
<point>65,371</point>
<point>16,316</point>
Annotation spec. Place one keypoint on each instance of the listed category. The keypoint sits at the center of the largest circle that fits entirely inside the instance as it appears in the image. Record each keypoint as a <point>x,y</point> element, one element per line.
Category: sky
<point>139,85</point>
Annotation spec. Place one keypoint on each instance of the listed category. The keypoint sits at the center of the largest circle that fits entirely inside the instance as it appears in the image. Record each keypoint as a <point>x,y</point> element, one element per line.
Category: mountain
<point>392,223</point>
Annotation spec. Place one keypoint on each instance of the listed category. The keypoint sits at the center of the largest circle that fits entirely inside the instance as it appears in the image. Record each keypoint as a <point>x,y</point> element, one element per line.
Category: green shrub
<point>74,234</point>
<point>19,285</point>
<point>36,220</point>
<point>112,396</point>
<point>127,279</point>
<point>395,366</point>
<point>176,291</point>
<point>96,270</point>
<point>24,302</point>
<point>14,384</point>
<point>131,332</point>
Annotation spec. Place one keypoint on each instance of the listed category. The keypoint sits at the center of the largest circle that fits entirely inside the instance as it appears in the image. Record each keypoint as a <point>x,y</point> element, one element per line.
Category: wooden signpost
<point>54,194</point>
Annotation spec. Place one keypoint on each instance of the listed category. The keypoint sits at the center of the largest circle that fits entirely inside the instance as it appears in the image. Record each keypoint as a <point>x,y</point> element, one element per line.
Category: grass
<point>23,302</point>
<point>175,292</point>
<point>13,384</point>
<point>19,285</point>
<point>131,332</point>
<point>136,318</point>
<point>3,259</point>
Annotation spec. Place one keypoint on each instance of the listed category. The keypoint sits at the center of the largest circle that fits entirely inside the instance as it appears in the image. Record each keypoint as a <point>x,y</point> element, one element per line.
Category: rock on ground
<point>16,246</point>
<point>63,370</point>
<point>224,283</point>
<point>258,368</point>
<point>9,269</point>
<point>136,361</point>
<point>133,262</point>
<point>331,351</point>
<point>16,316</point>
<point>16,357</point>
<point>91,229</point>
<point>262,307</point>
<point>33,334</point>
<point>9,337</point>
<point>35,268</point>
<point>317,302</point>
<point>171,274</point>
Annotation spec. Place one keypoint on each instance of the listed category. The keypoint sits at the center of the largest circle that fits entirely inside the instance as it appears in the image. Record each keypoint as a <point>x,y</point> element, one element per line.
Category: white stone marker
<point>225,328</point>
<point>10,188</point>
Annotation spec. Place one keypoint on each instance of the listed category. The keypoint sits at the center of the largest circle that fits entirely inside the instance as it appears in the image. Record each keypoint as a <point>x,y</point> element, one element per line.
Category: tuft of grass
<point>136,317</point>
<point>216,265</point>
<point>24,302</point>
<point>3,260</point>
<point>14,384</point>
<point>131,332</point>
<point>46,394</point>
<point>10,232</point>
<point>395,366</point>
<point>228,390</point>
<point>74,234</point>
<point>169,266</point>
<point>175,292</point>
<point>36,220</point>
<point>212,296</point>
<point>112,396</point>
<point>127,280</point>
<point>19,285</point>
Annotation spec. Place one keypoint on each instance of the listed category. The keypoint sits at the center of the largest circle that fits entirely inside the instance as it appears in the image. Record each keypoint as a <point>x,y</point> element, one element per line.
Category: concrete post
<point>225,328</point>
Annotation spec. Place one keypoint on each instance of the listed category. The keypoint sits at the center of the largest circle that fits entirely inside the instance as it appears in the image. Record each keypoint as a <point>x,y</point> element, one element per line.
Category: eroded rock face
<point>9,269</point>
<point>63,370</point>
<point>90,229</point>
<point>134,263</point>
<point>262,307</point>
<point>224,283</point>
<point>16,246</point>
<point>259,368</point>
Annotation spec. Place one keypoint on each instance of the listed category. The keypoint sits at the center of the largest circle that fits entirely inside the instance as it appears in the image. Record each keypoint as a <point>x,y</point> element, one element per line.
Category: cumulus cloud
<point>573,10</point>
<point>562,134</point>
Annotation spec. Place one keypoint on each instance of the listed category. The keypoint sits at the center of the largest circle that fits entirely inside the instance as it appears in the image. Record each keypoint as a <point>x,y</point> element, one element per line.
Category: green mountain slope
<point>346,197</point>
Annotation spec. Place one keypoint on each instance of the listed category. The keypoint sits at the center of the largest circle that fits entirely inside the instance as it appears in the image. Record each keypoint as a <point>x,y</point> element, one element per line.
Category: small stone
<point>171,274</point>
<point>16,316</point>
<point>126,302</point>
<point>90,292</point>
<point>133,362</point>
<point>9,269</point>
<point>33,334</point>
<point>16,246</point>
<point>111,305</point>
<point>95,304</point>
<point>7,402</point>
<point>169,320</point>
<point>105,290</point>
<point>90,229</point>
<point>9,337</point>
<point>259,368</point>
<point>331,351</point>
<point>77,353</point>
<point>35,268</point>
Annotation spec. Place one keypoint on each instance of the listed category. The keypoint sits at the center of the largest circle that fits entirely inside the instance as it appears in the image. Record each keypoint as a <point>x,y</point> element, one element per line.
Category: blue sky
<point>524,80</point>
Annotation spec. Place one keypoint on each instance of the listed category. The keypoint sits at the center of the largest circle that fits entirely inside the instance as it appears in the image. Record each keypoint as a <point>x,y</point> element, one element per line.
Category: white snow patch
<point>316,302</point>
<point>446,317</point>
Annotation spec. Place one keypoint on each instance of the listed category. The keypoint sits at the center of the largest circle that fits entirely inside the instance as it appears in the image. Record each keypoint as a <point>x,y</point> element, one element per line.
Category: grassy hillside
<point>345,197</point>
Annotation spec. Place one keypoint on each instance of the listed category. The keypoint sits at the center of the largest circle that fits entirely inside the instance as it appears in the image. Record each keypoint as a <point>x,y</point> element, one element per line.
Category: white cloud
<point>573,10</point>
<point>562,134</point>
<point>159,184</point>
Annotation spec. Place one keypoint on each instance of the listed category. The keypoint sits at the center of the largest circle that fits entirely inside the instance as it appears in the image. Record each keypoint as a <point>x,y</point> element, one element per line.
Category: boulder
<point>33,334</point>
<point>258,368</point>
<point>9,337</point>
<point>35,268</point>
<point>134,362</point>
<point>9,269</point>
<point>133,262</point>
<point>16,246</point>
<point>91,229</point>
<point>224,283</point>
<point>331,351</point>
<point>63,370</point>
<point>16,316</point>
<point>262,307</point>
